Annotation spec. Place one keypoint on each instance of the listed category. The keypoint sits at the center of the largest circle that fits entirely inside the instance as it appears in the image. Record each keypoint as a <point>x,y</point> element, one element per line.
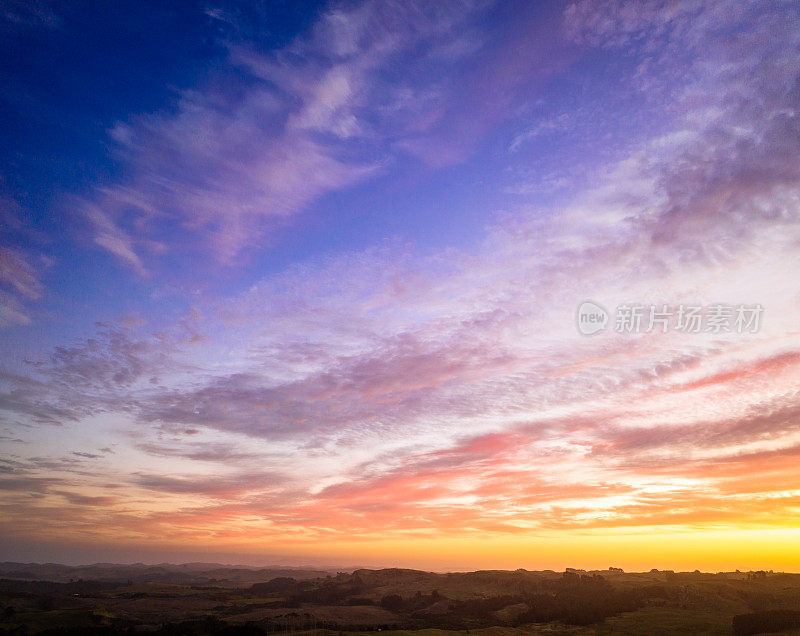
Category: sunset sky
<point>285,282</point>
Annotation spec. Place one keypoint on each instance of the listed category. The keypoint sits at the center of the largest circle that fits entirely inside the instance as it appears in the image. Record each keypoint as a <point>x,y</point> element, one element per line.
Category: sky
<point>315,283</point>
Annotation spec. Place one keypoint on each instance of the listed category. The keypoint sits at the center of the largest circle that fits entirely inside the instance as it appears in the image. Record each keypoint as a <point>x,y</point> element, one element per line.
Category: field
<point>206,600</point>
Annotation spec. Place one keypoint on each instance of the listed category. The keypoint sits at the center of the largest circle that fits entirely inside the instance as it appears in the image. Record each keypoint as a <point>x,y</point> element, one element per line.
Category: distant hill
<point>180,574</point>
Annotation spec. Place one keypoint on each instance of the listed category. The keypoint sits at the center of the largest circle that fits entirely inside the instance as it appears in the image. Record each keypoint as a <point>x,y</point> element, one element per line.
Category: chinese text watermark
<point>592,318</point>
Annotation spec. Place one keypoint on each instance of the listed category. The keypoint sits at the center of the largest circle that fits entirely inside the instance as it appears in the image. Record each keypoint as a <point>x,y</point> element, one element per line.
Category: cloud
<point>269,134</point>
<point>112,237</point>
<point>199,451</point>
<point>86,455</point>
<point>113,359</point>
<point>100,374</point>
<point>78,499</point>
<point>25,484</point>
<point>18,274</point>
<point>618,24</point>
<point>21,267</point>
<point>12,311</point>
<point>34,401</point>
<point>218,487</point>
<point>38,13</point>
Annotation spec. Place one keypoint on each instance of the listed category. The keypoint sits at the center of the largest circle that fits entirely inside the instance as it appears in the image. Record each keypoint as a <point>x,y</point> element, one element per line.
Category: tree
<point>392,602</point>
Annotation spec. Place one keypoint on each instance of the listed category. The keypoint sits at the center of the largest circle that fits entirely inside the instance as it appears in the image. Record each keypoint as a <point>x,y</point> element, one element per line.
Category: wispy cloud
<point>270,133</point>
<point>21,269</point>
<point>18,15</point>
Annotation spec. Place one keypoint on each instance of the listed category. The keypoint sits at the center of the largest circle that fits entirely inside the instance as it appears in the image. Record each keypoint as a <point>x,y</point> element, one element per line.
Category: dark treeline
<point>573,598</point>
<point>767,621</point>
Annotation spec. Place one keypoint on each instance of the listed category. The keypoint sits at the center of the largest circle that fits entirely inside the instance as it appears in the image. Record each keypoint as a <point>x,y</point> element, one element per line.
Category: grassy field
<point>487,603</point>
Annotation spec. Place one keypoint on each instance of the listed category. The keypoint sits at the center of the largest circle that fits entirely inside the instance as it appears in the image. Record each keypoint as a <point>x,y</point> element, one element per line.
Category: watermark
<point>592,318</point>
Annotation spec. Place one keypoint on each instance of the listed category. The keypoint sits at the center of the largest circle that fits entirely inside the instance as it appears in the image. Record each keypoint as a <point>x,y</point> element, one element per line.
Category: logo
<point>636,318</point>
<point>591,318</point>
